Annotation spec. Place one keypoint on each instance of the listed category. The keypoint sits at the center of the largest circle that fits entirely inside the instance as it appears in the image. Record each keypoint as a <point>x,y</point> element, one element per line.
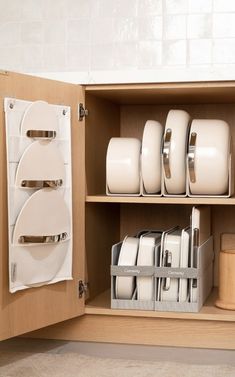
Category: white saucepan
<point>208,157</point>
<point>151,156</point>
<point>123,166</point>
<point>174,151</point>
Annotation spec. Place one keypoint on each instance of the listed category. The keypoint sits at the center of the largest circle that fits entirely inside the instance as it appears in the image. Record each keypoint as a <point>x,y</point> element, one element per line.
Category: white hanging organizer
<point>38,138</point>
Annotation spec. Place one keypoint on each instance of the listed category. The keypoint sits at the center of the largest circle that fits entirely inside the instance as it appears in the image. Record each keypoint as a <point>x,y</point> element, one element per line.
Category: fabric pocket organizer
<point>39,194</point>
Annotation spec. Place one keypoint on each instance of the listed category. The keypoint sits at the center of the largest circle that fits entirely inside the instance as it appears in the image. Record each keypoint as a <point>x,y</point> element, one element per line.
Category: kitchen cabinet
<point>64,310</point>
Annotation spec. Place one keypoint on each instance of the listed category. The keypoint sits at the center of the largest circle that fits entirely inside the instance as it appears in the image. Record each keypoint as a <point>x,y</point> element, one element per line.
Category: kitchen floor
<point>23,357</point>
<point>119,351</point>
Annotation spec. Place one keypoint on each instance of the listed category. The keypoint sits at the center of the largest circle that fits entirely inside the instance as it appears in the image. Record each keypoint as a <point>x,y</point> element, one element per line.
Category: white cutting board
<point>39,116</point>
<point>41,161</point>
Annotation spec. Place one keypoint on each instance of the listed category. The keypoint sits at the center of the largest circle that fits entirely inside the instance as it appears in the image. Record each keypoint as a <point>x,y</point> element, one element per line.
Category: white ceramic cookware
<point>174,151</point>
<point>208,157</point>
<point>184,263</point>
<point>171,258</point>
<point>123,166</point>
<point>146,257</point>
<point>151,156</point>
<point>125,285</point>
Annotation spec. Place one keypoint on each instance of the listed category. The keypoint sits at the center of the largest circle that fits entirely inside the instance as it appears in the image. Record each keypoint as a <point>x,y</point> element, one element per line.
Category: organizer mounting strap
<point>41,134</point>
<point>40,184</point>
<point>42,239</point>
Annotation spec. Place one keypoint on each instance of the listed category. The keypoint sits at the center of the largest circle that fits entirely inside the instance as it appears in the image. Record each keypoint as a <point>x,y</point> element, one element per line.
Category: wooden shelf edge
<point>209,312</point>
<point>158,200</point>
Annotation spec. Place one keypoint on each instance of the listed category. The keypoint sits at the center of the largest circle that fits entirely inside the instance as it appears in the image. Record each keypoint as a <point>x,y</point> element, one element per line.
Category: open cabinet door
<point>37,307</point>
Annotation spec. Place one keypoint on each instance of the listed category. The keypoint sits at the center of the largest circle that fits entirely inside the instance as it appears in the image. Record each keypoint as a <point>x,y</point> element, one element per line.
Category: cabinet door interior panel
<point>25,311</point>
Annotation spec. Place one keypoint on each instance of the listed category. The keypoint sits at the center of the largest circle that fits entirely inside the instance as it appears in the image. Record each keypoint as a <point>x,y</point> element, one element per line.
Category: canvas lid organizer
<point>39,193</point>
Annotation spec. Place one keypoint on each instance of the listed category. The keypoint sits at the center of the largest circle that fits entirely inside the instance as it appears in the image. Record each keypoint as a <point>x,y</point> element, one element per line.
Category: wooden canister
<point>226,296</point>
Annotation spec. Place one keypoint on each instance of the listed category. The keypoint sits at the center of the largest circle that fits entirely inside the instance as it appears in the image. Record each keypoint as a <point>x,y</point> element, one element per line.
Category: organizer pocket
<point>41,165</point>
<point>39,121</point>
<point>41,240</point>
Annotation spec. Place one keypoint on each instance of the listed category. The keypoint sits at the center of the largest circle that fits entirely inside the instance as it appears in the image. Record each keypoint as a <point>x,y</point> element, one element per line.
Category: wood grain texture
<point>146,331</point>
<point>102,123</point>
<point>102,231</point>
<point>162,93</point>
<point>158,200</point>
<point>37,307</point>
<point>209,312</point>
<point>226,299</point>
<point>228,241</point>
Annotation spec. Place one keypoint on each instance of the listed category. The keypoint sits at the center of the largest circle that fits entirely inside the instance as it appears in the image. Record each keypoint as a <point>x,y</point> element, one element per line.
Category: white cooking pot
<point>174,151</point>
<point>208,157</point>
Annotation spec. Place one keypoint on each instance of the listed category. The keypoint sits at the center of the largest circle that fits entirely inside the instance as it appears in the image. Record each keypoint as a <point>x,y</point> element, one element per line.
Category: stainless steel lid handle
<point>167,263</point>
<point>166,153</point>
<point>41,134</point>
<point>191,157</point>
<point>40,184</point>
<point>27,239</point>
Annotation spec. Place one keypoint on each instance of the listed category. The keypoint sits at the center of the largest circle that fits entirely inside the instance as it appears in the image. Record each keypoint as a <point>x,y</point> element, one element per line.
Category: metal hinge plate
<point>82,112</point>
<point>82,288</point>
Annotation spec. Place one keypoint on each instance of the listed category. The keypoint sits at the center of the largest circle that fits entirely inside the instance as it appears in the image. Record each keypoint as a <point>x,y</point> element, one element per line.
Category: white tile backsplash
<point>174,52</point>
<point>78,31</point>
<point>199,26</point>
<point>200,51</point>
<point>149,54</point>
<point>176,6</point>
<point>10,11</point>
<point>149,7</point>
<point>54,32</point>
<point>32,32</point>
<point>175,27</point>
<point>150,28</point>
<point>78,56</point>
<point>32,56</point>
<point>125,30</point>
<point>53,9</point>
<point>200,6</point>
<point>102,30</point>
<point>30,10</point>
<point>9,33</point>
<point>224,51</point>
<point>224,6</point>
<point>224,25</point>
<point>104,35</point>
<point>54,57</point>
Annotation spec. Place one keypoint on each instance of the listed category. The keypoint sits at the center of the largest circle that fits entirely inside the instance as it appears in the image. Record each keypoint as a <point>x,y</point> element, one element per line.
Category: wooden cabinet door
<point>35,308</point>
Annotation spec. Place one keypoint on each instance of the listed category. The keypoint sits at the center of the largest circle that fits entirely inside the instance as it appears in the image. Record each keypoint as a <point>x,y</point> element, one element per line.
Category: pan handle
<point>40,184</point>
<point>41,134</point>
<point>27,239</point>
<point>191,157</point>
<point>167,263</point>
<point>166,153</point>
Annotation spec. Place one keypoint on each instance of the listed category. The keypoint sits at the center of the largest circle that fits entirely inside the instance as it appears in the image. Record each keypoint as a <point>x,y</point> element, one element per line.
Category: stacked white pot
<point>186,158</point>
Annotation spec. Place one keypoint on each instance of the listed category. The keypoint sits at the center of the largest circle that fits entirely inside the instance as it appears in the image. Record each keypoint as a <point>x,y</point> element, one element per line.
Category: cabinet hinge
<point>82,112</point>
<point>82,288</point>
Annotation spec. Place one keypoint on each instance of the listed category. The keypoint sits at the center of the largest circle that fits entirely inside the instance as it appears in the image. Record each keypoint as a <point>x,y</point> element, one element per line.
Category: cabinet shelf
<point>158,200</point>
<point>100,305</point>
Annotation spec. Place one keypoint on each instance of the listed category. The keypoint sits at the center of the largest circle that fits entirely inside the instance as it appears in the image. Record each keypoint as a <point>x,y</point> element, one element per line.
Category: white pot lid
<point>39,116</point>
<point>41,161</point>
